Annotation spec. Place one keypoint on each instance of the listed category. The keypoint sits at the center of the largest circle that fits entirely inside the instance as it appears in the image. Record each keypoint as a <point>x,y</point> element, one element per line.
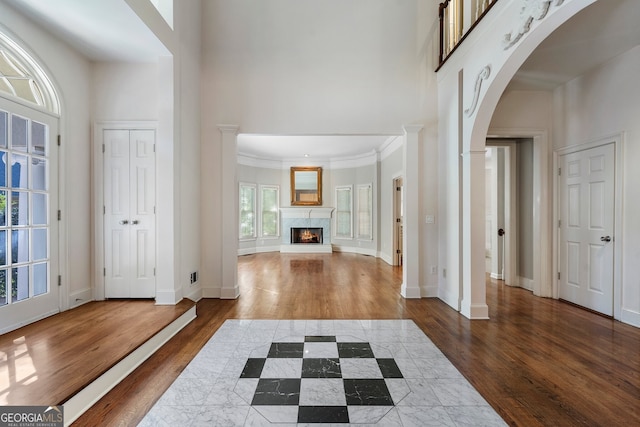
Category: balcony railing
<point>457,19</point>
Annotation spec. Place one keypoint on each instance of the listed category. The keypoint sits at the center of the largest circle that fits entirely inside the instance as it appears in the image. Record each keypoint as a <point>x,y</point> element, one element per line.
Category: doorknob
<point>124,222</point>
<point>135,221</point>
<point>605,239</point>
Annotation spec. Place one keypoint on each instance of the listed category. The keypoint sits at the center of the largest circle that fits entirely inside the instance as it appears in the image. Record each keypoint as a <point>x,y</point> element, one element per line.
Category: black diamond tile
<point>286,350</point>
<point>320,338</point>
<point>354,350</point>
<point>253,368</point>
<point>323,414</point>
<point>367,392</point>
<point>389,368</point>
<point>321,368</point>
<point>277,391</point>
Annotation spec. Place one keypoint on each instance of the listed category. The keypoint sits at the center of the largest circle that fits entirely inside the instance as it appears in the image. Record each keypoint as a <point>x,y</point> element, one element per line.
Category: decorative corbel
<point>482,75</point>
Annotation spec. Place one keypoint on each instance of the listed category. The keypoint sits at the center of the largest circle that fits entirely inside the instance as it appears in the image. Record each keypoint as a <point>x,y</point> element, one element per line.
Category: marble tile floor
<point>321,372</point>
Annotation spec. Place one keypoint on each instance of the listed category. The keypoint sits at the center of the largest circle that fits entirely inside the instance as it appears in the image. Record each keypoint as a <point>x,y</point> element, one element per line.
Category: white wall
<point>138,81</point>
<point>71,74</point>
<point>187,25</point>
<point>601,103</point>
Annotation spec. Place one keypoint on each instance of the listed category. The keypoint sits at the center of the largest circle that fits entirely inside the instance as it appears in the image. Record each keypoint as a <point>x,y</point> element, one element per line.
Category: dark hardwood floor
<point>538,362</point>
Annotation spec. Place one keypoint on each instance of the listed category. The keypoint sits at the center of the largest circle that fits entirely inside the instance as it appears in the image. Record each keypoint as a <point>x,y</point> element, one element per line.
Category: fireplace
<point>306,230</point>
<point>306,235</point>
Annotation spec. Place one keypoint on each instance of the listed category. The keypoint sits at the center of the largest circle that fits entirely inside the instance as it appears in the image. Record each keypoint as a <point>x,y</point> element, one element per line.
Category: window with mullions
<point>270,207</point>
<point>247,211</point>
<point>365,212</point>
<point>344,220</point>
<point>24,206</point>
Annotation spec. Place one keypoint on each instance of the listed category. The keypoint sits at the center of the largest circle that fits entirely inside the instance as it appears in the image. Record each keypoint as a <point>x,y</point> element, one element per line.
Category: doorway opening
<point>398,221</point>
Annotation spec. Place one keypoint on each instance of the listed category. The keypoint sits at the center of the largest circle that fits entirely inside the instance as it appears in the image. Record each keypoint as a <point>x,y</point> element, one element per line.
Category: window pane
<point>269,211</point>
<point>3,208</point>
<point>19,208</point>
<point>3,128</point>
<point>39,209</point>
<point>39,279</point>
<point>19,170</point>
<point>19,133</point>
<point>247,211</point>
<point>38,138</point>
<point>39,244</point>
<point>3,287</point>
<point>3,247</point>
<point>343,212</point>
<point>20,283</point>
<point>39,173</point>
<point>3,168</point>
<point>364,212</point>
<point>19,246</point>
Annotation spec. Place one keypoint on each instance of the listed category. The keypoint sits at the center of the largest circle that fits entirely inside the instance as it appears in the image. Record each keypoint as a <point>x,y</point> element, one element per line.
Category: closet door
<point>129,213</point>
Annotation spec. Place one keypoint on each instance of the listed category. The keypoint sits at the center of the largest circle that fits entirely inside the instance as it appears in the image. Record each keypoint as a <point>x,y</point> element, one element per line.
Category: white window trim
<point>255,206</point>
<point>369,235</point>
<point>277,189</point>
<point>344,236</point>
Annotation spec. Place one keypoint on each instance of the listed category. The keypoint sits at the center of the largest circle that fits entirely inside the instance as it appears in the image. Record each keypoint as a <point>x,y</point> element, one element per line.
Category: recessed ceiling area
<point>102,30</point>
<point>592,37</point>
<point>311,147</point>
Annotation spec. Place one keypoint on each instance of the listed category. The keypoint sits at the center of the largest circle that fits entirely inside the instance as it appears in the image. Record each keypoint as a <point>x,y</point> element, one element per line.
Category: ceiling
<point>102,30</point>
<point>108,30</point>
<point>594,36</point>
<point>312,147</point>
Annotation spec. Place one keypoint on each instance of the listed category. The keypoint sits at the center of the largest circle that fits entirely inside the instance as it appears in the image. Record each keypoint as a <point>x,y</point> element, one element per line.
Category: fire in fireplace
<point>306,235</point>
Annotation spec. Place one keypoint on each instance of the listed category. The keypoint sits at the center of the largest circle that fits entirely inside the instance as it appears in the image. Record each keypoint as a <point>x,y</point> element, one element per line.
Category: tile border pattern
<point>314,366</point>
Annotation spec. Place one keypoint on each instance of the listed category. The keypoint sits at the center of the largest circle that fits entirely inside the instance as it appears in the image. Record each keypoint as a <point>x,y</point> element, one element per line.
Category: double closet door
<point>129,213</point>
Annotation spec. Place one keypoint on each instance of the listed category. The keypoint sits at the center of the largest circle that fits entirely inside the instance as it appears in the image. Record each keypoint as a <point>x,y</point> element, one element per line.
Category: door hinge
<point>59,215</point>
<point>154,148</point>
<point>104,210</point>
<point>103,148</point>
<point>558,275</point>
<point>397,219</point>
<point>154,271</point>
<point>398,251</point>
<point>398,188</point>
<point>104,272</point>
<point>559,223</point>
<point>59,141</point>
<point>59,280</point>
<point>559,171</point>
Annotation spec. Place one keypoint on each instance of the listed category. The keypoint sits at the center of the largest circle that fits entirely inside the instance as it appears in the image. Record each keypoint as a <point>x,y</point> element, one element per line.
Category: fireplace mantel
<point>307,212</point>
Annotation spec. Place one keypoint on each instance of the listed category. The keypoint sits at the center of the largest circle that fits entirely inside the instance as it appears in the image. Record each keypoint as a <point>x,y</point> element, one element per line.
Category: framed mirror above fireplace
<point>306,186</point>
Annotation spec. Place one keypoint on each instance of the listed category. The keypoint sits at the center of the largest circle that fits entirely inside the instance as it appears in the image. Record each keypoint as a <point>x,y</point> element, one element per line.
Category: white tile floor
<point>211,392</point>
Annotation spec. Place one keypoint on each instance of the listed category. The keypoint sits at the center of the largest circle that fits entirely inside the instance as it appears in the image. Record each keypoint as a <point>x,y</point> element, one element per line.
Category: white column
<point>229,250</point>
<point>411,207</point>
<point>473,304</point>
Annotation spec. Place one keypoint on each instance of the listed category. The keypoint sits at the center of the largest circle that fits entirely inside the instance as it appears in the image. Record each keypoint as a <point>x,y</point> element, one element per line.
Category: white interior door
<point>129,213</point>
<point>587,200</point>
